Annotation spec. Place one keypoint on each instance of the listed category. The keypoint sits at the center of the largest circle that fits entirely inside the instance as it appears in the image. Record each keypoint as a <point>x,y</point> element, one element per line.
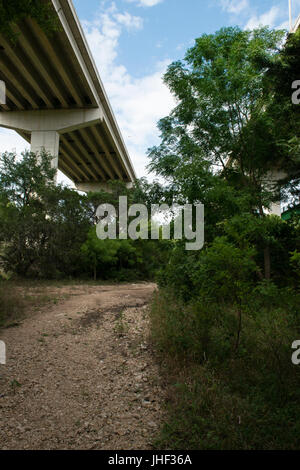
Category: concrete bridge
<point>55,100</point>
<point>296,25</point>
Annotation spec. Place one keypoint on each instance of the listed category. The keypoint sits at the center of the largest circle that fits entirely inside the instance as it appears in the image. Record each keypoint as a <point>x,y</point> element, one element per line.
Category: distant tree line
<point>49,231</point>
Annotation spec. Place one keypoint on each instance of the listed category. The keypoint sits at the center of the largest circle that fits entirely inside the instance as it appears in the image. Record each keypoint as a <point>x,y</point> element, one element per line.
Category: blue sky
<point>133,41</point>
<point>169,27</point>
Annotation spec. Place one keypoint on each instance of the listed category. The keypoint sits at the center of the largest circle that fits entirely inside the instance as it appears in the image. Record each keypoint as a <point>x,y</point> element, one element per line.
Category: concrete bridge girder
<point>46,126</point>
<point>59,120</point>
<point>56,100</point>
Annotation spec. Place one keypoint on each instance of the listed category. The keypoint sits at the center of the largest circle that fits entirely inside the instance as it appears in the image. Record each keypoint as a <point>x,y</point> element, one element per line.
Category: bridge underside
<point>55,99</point>
<point>85,155</point>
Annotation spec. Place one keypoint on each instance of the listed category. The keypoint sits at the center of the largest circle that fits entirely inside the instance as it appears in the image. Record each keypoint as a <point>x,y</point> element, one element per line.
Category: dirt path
<point>80,374</point>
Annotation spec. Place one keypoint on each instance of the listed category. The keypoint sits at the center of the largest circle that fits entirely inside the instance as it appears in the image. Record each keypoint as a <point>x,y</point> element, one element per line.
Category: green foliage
<point>105,255</point>
<point>42,226</point>
<point>219,119</point>
<point>224,271</point>
<point>123,259</point>
<point>225,318</point>
<point>221,141</point>
<point>48,231</point>
<point>263,233</point>
<point>222,397</point>
<point>295,263</point>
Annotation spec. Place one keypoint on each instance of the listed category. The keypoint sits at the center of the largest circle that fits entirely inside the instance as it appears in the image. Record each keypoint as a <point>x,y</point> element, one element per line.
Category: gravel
<point>81,375</point>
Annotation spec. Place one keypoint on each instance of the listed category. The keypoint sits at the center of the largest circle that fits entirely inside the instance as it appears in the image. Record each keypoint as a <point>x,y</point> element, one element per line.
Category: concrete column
<point>48,141</point>
<point>275,209</point>
<point>273,178</point>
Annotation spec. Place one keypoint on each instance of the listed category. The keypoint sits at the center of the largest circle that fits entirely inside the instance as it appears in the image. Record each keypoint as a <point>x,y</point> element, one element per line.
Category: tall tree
<point>42,226</point>
<point>217,144</point>
<point>218,88</point>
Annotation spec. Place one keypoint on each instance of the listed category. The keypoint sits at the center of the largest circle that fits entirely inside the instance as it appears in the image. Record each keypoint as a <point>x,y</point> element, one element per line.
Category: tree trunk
<point>95,273</point>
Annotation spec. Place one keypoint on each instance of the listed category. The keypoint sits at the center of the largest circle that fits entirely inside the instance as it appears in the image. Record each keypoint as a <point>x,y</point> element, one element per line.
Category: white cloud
<point>10,141</point>
<point>235,6</point>
<point>145,3</point>
<point>137,102</point>
<point>270,18</point>
<point>131,22</point>
<point>284,25</point>
<point>245,11</point>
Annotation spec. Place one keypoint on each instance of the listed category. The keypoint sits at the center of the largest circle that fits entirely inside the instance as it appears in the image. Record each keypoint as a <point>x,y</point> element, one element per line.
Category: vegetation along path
<point>80,373</point>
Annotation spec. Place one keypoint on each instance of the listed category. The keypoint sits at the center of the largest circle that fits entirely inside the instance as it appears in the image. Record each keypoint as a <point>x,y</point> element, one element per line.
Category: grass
<point>34,283</point>
<point>226,400</point>
<point>11,305</point>
<point>16,299</point>
<point>121,327</point>
<point>20,295</point>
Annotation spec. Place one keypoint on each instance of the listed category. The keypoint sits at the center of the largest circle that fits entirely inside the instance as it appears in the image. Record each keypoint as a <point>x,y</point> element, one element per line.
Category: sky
<point>133,42</point>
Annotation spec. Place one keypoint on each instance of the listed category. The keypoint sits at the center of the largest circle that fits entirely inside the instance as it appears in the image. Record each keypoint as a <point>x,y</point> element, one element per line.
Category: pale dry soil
<point>80,374</point>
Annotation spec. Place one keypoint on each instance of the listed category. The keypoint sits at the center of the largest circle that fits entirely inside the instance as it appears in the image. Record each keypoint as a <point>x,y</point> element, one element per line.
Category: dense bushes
<point>123,260</point>
<point>48,231</point>
<point>227,331</point>
<point>232,384</point>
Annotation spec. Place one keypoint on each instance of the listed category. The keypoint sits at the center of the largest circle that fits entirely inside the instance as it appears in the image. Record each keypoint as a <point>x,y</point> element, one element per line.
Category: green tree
<point>218,122</point>
<point>48,230</point>
<point>42,225</point>
<point>225,317</point>
<point>100,255</point>
<point>217,144</point>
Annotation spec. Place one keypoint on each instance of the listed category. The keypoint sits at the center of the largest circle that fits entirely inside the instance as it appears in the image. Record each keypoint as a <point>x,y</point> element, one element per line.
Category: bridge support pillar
<point>273,178</point>
<point>48,141</point>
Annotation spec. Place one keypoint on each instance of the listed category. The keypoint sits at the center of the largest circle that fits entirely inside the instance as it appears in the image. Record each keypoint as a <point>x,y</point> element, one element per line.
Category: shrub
<point>221,396</point>
<point>11,304</point>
